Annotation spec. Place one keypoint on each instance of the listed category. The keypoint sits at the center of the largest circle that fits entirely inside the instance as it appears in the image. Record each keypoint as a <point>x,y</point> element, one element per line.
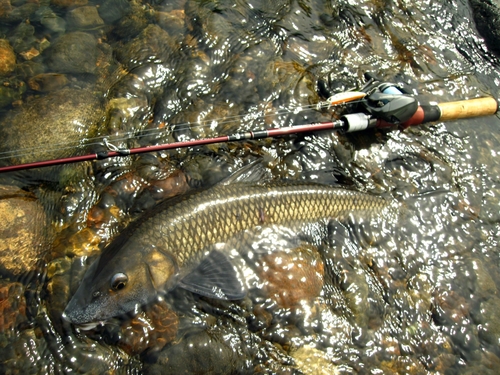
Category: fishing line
<point>154,132</point>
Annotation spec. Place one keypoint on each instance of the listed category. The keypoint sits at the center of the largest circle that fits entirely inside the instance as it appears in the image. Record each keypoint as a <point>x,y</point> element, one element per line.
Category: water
<point>414,295</point>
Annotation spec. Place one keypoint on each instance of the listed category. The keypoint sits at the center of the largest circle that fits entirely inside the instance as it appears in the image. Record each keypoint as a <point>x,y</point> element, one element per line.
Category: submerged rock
<point>12,305</point>
<point>7,57</point>
<point>153,43</point>
<point>50,20</point>
<point>150,330</point>
<point>112,10</point>
<point>200,353</point>
<point>69,3</point>
<point>85,17</point>
<point>74,52</point>
<point>292,277</point>
<point>22,38</point>
<point>311,361</point>
<point>23,231</point>
<point>487,19</point>
<point>47,82</point>
<point>63,117</point>
<point>11,91</point>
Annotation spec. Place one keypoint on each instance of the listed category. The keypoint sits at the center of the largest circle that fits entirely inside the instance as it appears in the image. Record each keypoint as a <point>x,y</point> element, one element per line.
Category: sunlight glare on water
<point>412,288</point>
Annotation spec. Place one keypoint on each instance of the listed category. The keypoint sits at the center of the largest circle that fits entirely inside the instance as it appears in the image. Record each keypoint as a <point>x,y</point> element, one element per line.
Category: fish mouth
<point>89,326</point>
<point>83,326</point>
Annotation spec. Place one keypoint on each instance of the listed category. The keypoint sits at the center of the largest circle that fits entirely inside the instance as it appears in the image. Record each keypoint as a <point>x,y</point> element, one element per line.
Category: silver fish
<point>174,244</point>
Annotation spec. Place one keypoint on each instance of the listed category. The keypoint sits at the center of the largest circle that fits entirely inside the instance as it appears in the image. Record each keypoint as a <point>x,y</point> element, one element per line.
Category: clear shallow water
<point>416,295</point>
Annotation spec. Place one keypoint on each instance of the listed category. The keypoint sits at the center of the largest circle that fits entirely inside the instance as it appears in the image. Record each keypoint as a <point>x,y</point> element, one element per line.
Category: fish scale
<point>216,215</point>
<point>172,245</point>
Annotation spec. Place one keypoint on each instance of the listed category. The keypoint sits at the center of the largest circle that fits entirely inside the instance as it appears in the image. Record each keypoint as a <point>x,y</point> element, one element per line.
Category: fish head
<point>113,286</point>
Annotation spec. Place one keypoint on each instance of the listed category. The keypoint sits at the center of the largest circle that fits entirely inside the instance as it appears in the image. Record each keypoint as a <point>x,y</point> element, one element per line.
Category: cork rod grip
<point>468,108</point>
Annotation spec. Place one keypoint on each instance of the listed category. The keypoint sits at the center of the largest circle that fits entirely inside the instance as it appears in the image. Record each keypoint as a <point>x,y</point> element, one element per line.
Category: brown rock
<point>47,82</point>
<point>292,276</point>
<point>7,57</point>
<point>150,330</point>
<point>12,305</point>
<point>5,8</point>
<point>75,52</point>
<point>85,17</point>
<point>310,360</point>
<point>23,232</point>
<point>69,3</point>
<point>30,54</point>
<point>174,184</point>
<point>64,116</point>
<point>173,21</point>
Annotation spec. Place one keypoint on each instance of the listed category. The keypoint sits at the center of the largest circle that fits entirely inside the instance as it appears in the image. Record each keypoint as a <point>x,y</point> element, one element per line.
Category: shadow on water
<point>413,290</point>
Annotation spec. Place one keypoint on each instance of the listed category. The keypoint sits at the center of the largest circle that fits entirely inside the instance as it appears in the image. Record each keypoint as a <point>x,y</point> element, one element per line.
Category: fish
<point>174,245</point>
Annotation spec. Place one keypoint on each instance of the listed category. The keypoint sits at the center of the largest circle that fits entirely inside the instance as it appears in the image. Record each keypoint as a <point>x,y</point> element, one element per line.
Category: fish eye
<point>118,281</point>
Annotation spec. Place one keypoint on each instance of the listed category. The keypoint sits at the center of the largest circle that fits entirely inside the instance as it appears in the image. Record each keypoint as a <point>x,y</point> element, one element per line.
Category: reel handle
<point>468,108</point>
<point>449,111</point>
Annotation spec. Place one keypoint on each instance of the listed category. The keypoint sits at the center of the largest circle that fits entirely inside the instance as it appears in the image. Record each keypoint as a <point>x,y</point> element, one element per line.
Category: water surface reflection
<point>416,294</point>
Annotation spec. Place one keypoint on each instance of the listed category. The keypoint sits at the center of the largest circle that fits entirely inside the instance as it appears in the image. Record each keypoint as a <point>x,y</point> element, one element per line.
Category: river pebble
<point>85,17</point>
<point>150,331</point>
<point>200,353</point>
<point>61,117</point>
<point>47,82</point>
<point>68,3</point>
<point>75,52</point>
<point>292,278</point>
<point>12,306</point>
<point>311,361</point>
<point>11,91</point>
<point>152,43</point>
<point>113,10</point>
<point>49,20</point>
<point>22,37</point>
<point>7,57</point>
<point>23,229</point>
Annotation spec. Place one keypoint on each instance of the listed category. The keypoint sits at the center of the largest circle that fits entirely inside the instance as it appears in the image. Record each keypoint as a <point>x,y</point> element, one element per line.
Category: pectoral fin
<point>215,277</point>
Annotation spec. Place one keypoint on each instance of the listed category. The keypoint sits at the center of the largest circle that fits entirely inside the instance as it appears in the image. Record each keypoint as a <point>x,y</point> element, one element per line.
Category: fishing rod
<point>376,105</point>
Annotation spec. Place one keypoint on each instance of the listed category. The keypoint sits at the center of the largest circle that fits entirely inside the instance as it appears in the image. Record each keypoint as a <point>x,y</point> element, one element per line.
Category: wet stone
<point>11,91</point>
<point>172,21</point>
<point>21,13</point>
<point>12,306</point>
<point>292,277</point>
<point>149,331</point>
<point>199,353</point>
<point>311,361</point>
<point>68,3</point>
<point>487,19</point>
<point>28,69</point>
<point>85,17</point>
<point>132,24</point>
<point>489,330</point>
<point>30,54</point>
<point>47,82</point>
<point>112,10</point>
<point>22,37</point>
<point>153,43</point>
<point>174,184</point>
<point>50,20</point>
<point>75,52</point>
<point>485,285</point>
<point>60,117</point>
<point>5,9</point>
<point>7,57</point>
<point>22,229</point>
